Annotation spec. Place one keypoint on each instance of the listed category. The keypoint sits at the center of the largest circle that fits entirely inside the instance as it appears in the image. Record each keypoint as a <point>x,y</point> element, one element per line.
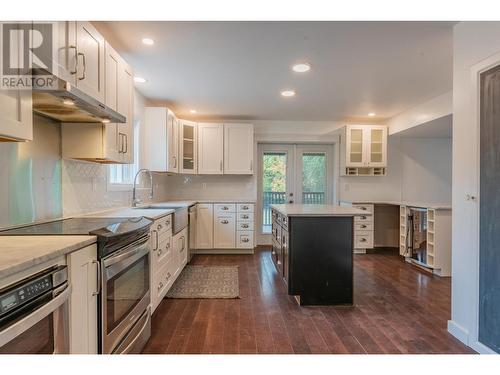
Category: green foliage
<point>274,176</point>
<point>313,173</point>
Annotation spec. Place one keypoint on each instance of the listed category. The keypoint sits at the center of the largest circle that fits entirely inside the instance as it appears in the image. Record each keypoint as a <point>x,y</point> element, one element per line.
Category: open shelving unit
<point>431,214</point>
<point>402,229</point>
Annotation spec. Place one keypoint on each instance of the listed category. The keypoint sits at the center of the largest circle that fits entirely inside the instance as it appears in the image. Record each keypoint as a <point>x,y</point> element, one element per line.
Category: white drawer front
<point>245,207</point>
<point>363,226</point>
<point>363,219</point>
<point>243,225</point>
<point>164,227</point>
<point>363,240</point>
<point>163,280</point>
<point>245,216</point>
<point>162,254</point>
<point>364,207</point>
<point>224,208</point>
<point>244,239</point>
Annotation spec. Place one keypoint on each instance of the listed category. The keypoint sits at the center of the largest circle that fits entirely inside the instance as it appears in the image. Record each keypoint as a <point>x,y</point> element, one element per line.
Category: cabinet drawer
<point>164,228</point>
<point>245,207</point>
<point>162,281</point>
<point>224,208</point>
<point>363,219</point>
<point>365,207</point>
<point>244,239</point>
<point>245,216</point>
<point>363,226</point>
<point>242,225</point>
<point>162,254</point>
<point>363,240</point>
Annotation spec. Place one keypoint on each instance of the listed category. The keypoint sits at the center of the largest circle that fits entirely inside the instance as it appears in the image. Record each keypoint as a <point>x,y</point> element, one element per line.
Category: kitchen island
<point>313,251</point>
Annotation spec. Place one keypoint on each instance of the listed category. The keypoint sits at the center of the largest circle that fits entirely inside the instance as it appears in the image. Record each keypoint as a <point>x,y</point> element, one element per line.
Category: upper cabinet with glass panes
<point>363,150</point>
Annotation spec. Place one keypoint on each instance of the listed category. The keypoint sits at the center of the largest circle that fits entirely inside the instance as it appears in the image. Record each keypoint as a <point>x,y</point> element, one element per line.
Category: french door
<point>293,173</point>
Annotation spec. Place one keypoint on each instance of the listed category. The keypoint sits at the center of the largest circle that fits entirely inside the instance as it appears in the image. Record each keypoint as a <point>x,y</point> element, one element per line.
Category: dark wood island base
<point>313,252</point>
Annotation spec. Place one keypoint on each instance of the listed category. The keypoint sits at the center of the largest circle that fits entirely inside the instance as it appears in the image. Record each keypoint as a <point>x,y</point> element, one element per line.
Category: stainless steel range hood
<point>66,103</point>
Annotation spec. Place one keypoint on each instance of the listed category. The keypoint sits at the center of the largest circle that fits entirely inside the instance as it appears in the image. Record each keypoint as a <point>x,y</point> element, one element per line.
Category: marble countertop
<point>435,206</point>
<point>194,201</point>
<point>317,210</point>
<point>19,253</point>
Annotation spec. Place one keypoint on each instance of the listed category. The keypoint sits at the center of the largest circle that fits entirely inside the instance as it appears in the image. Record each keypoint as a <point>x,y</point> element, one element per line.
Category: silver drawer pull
<point>245,240</point>
<point>363,217</point>
<point>225,208</point>
<point>244,208</point>
<point>244,216</point>
<point>363,226</point>
<point>160,285</point>
<point>363,208</point>
<point>160,252</point>
<point>362,240</point>
<point>244,225</point>
<point>167,246</point>
<point>168,276</point>
<point>160,227</point>
<point>224,222</point>
<point>167,222</point>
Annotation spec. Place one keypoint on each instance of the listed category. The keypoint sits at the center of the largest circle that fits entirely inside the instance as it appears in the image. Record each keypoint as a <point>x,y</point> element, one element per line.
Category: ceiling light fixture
<point>139,79</point>
<point>301,67</point>
<point>148,41</point>
<point>371,114</point>
<point>192,111</point>
<point>288,93</point>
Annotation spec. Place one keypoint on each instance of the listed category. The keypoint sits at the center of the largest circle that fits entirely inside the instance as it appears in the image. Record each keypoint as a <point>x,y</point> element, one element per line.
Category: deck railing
<point>279,197</point>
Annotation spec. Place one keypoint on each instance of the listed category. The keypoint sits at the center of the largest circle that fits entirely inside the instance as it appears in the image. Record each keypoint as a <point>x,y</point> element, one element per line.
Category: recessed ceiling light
<point>371,114</point>
<point>139,79</point>
<point>192,111</point>
<point>301,68</point>
<point>288,93</point>
<point>148,41</point>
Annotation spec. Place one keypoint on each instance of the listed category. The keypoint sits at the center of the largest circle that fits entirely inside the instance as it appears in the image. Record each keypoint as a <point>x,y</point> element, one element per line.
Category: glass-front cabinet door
<point>377,150</point>
<point>355,141</point>
<point>188,146</point>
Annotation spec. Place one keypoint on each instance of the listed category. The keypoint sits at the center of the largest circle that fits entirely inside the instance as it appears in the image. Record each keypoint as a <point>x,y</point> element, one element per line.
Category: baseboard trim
<point>223,251</point>
<point>481,348</point>
<point>458,331</point>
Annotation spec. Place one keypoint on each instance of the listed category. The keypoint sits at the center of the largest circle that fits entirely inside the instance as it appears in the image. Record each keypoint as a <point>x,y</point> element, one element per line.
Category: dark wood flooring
<point>398,309</point>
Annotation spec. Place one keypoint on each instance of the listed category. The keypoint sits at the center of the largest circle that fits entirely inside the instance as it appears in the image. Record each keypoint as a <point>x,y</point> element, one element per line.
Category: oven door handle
<point>126,252</point>
<point>14,330</point>
<point>116,264</point>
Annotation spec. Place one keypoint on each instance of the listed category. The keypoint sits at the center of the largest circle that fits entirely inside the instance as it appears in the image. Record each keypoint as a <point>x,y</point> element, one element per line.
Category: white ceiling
<point>235,70</point>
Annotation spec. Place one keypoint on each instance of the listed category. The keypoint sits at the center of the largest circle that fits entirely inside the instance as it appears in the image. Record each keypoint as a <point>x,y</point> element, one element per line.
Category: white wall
<point>429,110</point>
<point>473,43</point>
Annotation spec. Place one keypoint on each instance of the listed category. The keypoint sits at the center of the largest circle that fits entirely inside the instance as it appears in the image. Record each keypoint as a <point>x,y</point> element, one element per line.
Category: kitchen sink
<point>179,216</point>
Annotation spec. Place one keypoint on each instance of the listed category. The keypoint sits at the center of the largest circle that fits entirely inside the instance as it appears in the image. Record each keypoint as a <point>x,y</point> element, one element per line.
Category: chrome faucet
<point>135,200</point>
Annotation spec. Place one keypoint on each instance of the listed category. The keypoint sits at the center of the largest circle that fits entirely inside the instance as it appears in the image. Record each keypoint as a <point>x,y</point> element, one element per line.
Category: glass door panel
<point>356,146</point>
<point>314,183</point>
<point>274,184</point>
<point>376,145</point>
<point>188,147</point>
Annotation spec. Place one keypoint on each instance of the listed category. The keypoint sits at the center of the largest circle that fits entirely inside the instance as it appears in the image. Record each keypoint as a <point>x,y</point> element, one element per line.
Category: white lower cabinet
<point>205,226</point>
<point>225,231</point>
<point>223,226</point>
<point>83,267</point>
<point>180,241</point>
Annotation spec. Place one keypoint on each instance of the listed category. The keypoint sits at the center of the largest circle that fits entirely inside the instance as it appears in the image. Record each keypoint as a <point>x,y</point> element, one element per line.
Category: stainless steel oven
<point>34,314</point>
<point>125,297</point>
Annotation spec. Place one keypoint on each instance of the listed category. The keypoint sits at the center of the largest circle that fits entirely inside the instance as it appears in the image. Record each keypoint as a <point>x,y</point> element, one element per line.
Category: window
<point>121,176</point>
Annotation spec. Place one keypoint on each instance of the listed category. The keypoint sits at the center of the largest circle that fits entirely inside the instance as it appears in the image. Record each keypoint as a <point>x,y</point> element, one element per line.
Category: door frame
<point>476,71</point>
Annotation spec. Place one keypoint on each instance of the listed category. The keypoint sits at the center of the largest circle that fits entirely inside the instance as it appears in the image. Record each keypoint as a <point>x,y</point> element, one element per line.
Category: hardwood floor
<point>398,309</point>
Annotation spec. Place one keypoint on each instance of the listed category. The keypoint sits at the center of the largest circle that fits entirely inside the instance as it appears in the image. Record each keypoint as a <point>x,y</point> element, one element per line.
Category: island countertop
<point>317,210</point>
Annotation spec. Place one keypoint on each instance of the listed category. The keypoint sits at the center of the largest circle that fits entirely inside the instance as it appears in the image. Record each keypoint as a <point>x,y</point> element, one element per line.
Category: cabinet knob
<point>160,227</point>
<point>160,285</point>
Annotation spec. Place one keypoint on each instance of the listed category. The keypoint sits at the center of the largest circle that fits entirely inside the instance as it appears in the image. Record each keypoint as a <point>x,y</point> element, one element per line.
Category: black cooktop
<point>112,233</point>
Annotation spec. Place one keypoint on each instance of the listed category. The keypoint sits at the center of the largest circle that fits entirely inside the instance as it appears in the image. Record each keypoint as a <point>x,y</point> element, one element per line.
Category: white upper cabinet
<point>90,60</point>
<point>365,146</point>
<point>162,140</point>
<point>16,117</point>
<point>106,143</point>
<point>188,147</point>
<point>67,53</point>
<point>210,148</point>
<point>238,149</point>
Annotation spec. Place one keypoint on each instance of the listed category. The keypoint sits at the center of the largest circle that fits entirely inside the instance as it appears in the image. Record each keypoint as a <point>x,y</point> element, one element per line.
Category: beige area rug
<point>206,282</point>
